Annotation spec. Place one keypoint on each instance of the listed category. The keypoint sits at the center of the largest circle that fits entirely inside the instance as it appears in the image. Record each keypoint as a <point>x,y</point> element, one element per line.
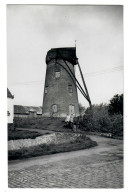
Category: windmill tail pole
<point>89,100</point>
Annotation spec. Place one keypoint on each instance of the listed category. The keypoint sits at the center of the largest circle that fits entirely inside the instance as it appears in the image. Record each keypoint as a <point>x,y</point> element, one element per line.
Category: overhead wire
<point>105,71</point>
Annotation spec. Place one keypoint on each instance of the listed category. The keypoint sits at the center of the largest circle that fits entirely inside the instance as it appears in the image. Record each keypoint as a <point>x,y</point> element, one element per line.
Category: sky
<point>32,30</point>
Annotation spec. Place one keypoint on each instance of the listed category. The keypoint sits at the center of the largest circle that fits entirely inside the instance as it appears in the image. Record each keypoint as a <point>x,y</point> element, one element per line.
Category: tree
<point>81,109</point>
<point>116,105</point>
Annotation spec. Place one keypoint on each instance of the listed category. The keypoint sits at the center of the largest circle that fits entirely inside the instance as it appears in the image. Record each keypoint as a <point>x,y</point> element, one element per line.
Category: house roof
<point>19,109</point>
<point>9,95</point>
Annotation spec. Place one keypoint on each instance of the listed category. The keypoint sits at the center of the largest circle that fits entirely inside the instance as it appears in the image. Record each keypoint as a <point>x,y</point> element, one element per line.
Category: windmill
<point>61,84</point>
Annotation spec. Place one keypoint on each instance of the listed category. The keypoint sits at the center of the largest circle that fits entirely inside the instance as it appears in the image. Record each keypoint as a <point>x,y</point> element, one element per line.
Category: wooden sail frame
<point>89,100</point>
<point>84,93</point>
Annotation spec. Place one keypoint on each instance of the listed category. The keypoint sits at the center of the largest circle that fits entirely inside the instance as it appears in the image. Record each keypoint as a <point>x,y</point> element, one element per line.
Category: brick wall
<point>54,138</point>
<point>57,90</point>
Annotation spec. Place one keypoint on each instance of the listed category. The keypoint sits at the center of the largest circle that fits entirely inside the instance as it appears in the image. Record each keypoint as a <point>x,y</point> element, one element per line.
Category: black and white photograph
<point>65,92</point>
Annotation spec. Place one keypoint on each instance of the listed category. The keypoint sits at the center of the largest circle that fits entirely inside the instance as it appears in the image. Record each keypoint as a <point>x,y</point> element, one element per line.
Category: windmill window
<point>46,89</point>
<point>54,107</point>
<point>57,74</point>
<point>70,90</point>
<point>8,113</point>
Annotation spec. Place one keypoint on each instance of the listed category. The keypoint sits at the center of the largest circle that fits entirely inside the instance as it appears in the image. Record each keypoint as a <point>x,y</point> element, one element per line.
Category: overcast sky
<point>32,30</point>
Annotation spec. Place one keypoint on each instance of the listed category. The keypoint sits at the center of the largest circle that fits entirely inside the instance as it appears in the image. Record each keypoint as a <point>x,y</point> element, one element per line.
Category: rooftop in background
<point>9,95</point>
<point>19,109</point>
<point>68,53</point>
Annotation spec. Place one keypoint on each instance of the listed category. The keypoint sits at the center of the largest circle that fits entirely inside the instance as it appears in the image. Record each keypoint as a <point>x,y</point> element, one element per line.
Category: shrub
<point>95,119</point>
<point>117,125</point>
<point>99,120</point>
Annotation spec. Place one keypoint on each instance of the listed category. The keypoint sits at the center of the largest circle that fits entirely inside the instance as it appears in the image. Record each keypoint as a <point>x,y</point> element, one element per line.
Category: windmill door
<point>71,109</point>
<point>54,108</point>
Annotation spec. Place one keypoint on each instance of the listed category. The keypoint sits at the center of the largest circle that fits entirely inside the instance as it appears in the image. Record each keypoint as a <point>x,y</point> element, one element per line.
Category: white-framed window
<point>57,74</point>
<point>54,108</point>
<point>8,113</point>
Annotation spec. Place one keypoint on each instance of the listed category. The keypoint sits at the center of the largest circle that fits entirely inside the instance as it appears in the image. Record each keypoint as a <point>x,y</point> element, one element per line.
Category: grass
<point>104,135</point>
<point>23,134</point>
<point>80,143</point>
<point>50,124</point>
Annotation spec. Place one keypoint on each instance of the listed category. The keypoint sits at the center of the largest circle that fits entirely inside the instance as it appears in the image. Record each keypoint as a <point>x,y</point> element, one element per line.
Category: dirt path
<point>105,145</point>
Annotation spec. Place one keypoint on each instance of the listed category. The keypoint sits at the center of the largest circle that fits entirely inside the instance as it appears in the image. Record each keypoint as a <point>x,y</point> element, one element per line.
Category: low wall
<point>54,138</point>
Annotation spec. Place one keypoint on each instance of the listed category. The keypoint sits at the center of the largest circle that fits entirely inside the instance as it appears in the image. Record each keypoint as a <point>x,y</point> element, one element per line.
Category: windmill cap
<point>68,54</point>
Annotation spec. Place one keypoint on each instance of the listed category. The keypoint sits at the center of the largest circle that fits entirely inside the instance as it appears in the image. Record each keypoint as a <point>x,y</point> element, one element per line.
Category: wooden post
<point>84,84</point>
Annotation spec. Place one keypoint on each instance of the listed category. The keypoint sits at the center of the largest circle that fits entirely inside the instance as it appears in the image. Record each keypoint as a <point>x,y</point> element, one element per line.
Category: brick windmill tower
<point>60,91</point>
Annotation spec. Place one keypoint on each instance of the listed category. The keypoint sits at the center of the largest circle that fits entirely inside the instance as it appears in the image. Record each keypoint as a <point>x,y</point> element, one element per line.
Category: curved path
<point>98,167</point>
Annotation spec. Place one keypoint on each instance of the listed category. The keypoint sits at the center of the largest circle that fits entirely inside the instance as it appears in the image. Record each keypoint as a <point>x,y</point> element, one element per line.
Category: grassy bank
<point>24,134</point>
<point>108,135</point>
<point>52,124</point>
<point>46,149</point>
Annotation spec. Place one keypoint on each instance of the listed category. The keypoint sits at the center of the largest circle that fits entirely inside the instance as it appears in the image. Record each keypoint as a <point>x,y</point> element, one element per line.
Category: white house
<point>10,107</point>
